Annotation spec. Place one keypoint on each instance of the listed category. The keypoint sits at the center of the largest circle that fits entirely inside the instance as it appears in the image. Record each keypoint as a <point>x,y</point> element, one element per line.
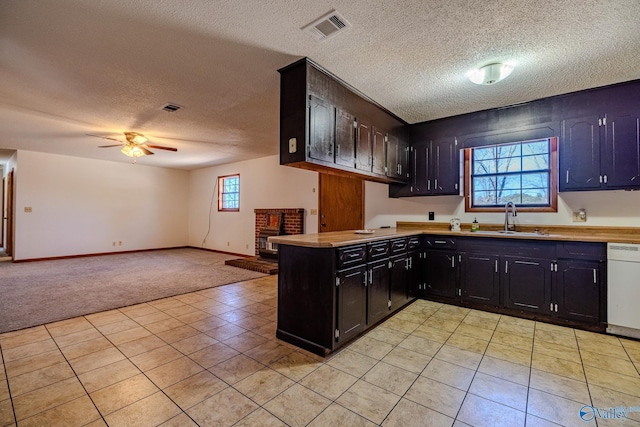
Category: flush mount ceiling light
<point>490,74</point>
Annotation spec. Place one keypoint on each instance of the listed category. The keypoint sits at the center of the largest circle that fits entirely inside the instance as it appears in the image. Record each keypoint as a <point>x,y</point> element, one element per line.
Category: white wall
<point>263,184</point>
<point>604,208</point>
<point>81,206</point>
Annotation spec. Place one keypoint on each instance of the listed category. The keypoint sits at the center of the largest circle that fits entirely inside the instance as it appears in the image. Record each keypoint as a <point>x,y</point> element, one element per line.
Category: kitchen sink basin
<point>512,233</point>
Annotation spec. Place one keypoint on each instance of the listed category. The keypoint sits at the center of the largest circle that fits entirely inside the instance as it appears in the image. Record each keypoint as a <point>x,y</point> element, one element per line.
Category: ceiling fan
<point>135,146</point>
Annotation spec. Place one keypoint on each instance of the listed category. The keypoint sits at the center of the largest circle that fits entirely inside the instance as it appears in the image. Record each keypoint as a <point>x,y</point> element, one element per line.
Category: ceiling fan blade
<point>144,150</point>
<point>104,137</point>
<point>160,147</point>
<point>107,146</point>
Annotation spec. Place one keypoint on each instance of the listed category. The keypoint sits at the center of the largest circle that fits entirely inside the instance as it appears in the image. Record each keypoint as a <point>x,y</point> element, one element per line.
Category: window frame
<point>553,182</point>
<point>221,193</point>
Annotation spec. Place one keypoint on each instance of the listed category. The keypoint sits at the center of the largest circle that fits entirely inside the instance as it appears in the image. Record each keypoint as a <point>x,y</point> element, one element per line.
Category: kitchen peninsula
<point>334,286</point>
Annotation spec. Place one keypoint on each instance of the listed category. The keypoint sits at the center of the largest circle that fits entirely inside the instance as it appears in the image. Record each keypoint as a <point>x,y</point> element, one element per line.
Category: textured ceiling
<point>72,67</point>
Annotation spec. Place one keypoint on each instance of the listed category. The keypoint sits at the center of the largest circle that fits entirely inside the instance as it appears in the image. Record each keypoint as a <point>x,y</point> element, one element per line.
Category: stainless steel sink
<point>512,233</point>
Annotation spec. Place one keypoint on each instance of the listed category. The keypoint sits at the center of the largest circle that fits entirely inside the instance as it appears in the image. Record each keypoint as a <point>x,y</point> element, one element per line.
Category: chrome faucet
<point>510,225</point>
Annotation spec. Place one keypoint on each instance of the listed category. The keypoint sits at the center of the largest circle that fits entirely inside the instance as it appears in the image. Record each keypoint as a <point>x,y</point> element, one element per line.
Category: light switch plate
<point>293,145</point>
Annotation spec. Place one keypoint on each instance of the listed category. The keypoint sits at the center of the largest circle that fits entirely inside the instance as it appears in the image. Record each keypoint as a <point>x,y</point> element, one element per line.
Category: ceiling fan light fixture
<point>490,74</point>
<point>132,150</point>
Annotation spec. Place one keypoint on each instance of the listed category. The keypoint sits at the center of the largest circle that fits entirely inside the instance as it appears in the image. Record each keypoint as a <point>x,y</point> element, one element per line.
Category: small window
<point>521,172</point>
<point>229,193</point>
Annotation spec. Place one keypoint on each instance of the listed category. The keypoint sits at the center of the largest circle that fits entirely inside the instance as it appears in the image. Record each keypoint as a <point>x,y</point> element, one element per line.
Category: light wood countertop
<point>404,229</point>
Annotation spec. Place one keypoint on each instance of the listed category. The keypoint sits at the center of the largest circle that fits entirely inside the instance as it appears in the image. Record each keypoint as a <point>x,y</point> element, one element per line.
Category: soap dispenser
<point>475,225</point>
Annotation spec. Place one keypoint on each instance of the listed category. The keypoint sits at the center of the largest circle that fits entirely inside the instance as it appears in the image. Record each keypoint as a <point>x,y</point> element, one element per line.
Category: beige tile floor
<point>211,358</point>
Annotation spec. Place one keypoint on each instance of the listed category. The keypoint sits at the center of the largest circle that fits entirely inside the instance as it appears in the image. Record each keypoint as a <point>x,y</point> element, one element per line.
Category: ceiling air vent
<point>172,108</point>
<point>326,26</point>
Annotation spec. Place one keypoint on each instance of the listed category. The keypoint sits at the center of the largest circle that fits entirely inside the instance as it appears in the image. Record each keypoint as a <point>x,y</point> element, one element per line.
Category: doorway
<point>8,247</point>
<point>341,203</point>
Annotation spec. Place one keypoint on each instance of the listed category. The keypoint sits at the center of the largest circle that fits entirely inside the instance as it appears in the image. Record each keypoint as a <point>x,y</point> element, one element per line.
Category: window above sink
<point>523,172</point>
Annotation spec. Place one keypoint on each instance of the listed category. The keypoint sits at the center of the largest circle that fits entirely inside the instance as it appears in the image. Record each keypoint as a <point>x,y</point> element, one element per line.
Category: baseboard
<point>96,254</point>
<point>220,252</point>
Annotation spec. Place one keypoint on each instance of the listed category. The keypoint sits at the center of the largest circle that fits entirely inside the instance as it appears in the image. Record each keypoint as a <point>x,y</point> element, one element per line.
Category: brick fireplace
<point>293,222</point>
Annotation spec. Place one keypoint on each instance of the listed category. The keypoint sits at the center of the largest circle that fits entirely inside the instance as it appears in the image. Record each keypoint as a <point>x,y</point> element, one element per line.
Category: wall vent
<point>172,108</point>
<point>327,26</point>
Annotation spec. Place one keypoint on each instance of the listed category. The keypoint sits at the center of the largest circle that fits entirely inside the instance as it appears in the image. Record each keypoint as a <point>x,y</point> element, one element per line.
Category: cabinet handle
<point>600,179</point>
<point>506,267</point>
<point>567,176</point>
<point>552,266</point>
<point>371,276</point>
<point>550,306</point>
<point>595,277</point>
<point>605,179</point>
<point>365,278</point>
<point>441,242</point>
<point>435,184</point>
<point>556,307</point>
<point>496,266</point>
<point>453,262</point>
<point>428,184</point>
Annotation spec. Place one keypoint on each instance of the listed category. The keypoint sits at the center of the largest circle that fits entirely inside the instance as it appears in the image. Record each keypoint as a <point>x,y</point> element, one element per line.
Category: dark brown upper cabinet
<point>601,152</point>
<point>327,126</point>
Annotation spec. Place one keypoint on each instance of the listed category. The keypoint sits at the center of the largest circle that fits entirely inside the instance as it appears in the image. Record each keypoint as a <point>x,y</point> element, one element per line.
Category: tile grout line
<point>6,375</point>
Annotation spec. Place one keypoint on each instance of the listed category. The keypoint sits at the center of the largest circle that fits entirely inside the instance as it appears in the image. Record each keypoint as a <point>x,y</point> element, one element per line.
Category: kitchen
<point>591,156</point>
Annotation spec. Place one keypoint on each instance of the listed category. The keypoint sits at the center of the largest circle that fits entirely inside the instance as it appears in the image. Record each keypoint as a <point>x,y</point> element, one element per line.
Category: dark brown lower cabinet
<point>527,284</point>
<point>378,291</point>
<point>480,278</point>
<point>351,302</point>
<point>441,273</point>
<point>398,281</point>
<point>328,296</point>
<point>579,290</point>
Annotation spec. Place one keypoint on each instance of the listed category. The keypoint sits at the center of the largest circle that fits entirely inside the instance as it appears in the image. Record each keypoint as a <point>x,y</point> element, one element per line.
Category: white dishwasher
<point>623,294</point>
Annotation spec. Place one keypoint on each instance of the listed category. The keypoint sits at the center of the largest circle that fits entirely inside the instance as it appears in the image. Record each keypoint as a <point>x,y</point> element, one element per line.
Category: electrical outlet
<point>293,145</point>
<point>120,243</point>
<point>580,216</point>
<point>314,211</point>
<point>432,216</point>
<point>28,209</point>
<point>228,243</point>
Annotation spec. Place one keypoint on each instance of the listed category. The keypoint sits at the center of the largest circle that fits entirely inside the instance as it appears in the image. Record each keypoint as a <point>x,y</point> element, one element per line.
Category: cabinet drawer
<point>378,250</point>
<point>582,250</point>
<point>440,242</point>
<point>413,243</point>
<point>351,256</point>
<point>398,246</point>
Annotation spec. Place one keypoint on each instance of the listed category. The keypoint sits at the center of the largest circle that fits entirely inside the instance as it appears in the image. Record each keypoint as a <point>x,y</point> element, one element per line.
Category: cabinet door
<point>378,291</point>
<point>415,273</point>
<point>578,290</point>
<point>479,278</point>
<point>440,273</point>
<point>398,275</point>
<point>378,158</point>
<point>579,156</point>
<point>419,169</point>
<point>345,138</point>
<point>527,284</point>
<point>397,158</point>
<point>445,166</point>
<point>351,302</point>
<point>622,148</point>
<point>321,129</point>
<point>363,146</point>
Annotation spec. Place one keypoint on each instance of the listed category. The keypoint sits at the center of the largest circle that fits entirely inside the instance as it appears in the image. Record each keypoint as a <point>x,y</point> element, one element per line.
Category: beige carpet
<point>34,293</point>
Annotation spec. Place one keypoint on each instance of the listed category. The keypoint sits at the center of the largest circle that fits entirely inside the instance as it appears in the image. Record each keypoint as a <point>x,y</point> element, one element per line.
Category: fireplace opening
<point>274,227</point>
